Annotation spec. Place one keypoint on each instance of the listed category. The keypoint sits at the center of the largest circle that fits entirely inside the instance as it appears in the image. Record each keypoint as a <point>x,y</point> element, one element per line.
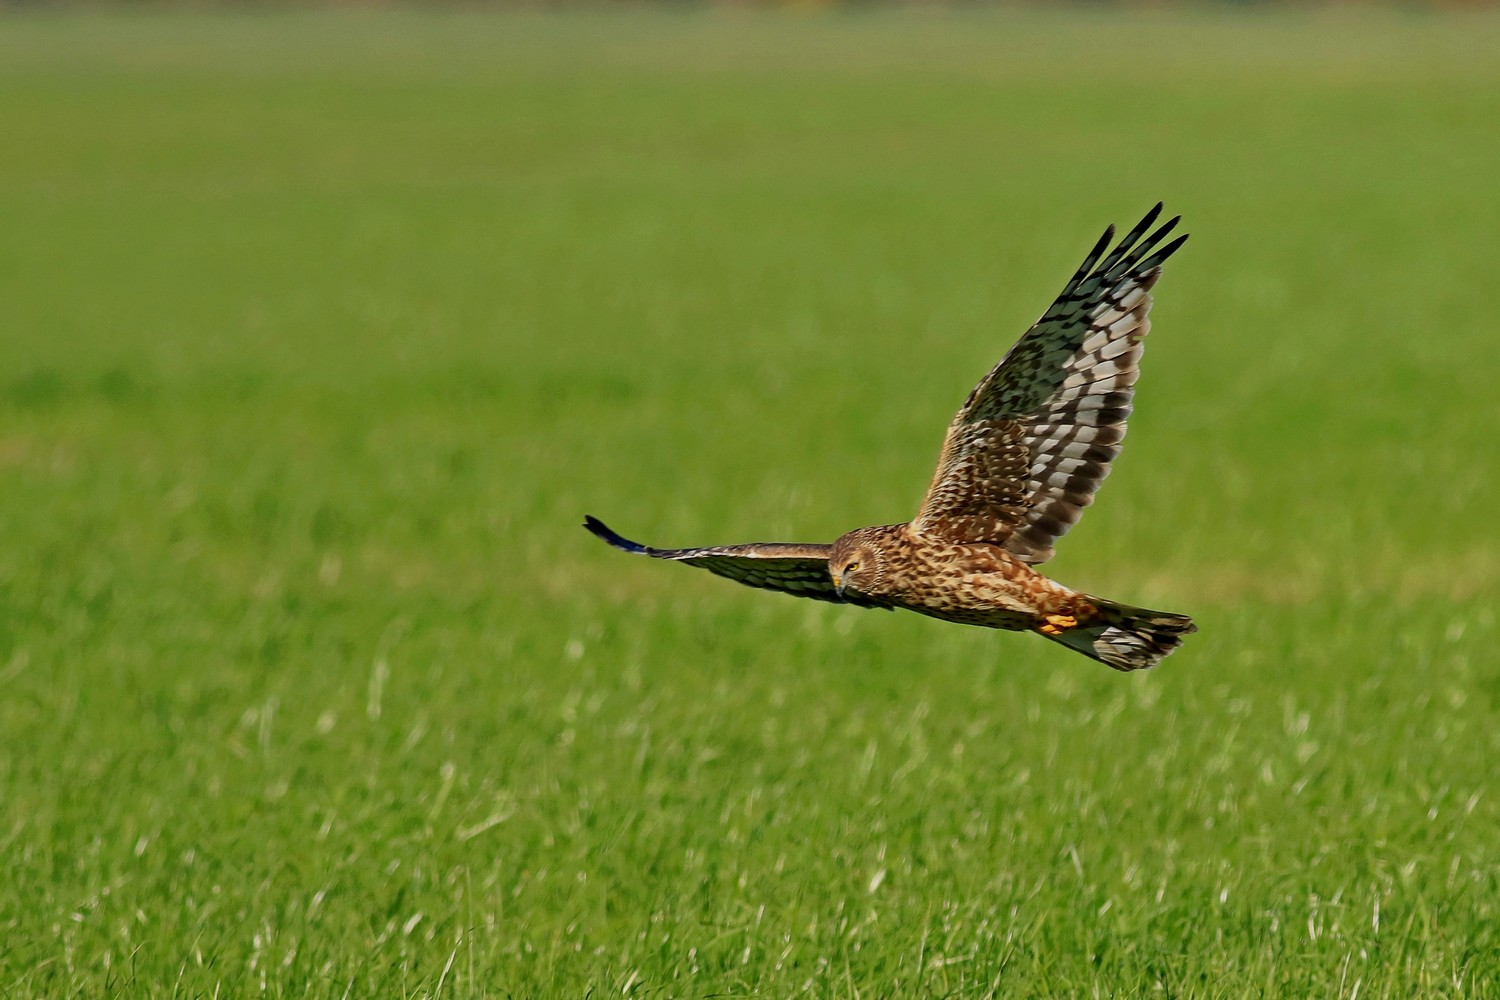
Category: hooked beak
<point>839,586</point>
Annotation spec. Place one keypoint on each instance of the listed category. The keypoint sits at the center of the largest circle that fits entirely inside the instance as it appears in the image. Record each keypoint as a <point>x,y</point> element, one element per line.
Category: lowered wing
<point>791,568</point>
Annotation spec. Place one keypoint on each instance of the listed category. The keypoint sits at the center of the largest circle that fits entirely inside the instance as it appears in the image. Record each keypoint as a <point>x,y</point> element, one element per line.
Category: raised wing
<point>799,570</point>
<point>1036,437</point>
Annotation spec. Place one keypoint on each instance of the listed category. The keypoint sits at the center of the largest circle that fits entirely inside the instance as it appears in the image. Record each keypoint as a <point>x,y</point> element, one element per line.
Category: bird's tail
<point>1124,637</point>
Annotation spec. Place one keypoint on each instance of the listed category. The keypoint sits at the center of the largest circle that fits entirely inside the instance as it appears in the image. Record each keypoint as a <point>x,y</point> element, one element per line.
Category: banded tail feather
<point>1125,637</point>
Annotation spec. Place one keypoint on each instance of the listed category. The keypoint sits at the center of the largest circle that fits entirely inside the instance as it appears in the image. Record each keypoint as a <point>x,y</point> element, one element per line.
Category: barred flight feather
<point>1037,435</point>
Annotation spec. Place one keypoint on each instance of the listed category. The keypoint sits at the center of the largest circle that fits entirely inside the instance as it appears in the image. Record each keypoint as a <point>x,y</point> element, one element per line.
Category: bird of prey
<point>1021,460</point>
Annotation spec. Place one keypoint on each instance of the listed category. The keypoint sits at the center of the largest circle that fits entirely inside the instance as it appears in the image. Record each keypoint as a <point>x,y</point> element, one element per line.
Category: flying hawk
<point>1022,458</point>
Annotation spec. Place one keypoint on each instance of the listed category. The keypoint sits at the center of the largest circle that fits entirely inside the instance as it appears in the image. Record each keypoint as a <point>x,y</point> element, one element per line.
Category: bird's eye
<point>851,567</point>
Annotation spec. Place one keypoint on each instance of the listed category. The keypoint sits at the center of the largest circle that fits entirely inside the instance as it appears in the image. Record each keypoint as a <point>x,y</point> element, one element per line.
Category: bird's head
<point>856,563</point>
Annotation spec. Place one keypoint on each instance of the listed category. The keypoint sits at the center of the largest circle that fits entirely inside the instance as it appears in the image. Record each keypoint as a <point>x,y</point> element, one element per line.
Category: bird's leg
<point>1056,624</point>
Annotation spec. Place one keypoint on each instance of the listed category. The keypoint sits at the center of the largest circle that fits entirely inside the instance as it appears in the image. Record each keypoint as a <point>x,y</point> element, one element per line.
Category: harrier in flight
<point>1022,458</point>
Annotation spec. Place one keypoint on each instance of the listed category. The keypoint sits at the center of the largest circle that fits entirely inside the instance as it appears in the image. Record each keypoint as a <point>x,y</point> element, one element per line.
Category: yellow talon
<point>1057,624</point>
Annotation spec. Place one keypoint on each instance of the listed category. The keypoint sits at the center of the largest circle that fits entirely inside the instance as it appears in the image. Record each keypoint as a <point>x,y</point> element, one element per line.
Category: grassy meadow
<point>320,333</point>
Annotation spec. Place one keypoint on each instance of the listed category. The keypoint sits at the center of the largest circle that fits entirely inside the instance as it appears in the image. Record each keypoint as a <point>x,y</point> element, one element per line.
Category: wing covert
<point>1030,446</point>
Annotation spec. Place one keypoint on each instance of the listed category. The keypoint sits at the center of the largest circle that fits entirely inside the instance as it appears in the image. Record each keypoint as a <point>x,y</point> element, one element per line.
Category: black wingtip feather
<point>1127,255</point>
<point>1151,216</point>
<point>1126,245</point>
<point>603,531</point>
<point>1087,266</point>
<point>1131,264</point>
<point>1156,259</point>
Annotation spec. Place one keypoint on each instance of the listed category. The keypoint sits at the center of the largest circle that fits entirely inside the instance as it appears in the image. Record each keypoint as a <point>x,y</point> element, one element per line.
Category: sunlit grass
<point>320,333</point>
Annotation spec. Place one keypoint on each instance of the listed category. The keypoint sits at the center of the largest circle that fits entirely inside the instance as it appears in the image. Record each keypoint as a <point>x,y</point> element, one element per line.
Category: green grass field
<point>319,333</point>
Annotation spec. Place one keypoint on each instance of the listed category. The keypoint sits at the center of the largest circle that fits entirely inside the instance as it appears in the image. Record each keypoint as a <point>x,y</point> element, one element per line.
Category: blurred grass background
<point>319,332</point>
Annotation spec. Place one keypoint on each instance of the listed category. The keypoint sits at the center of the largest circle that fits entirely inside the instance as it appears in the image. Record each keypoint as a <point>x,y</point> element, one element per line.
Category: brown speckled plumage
<point>1022,458</point>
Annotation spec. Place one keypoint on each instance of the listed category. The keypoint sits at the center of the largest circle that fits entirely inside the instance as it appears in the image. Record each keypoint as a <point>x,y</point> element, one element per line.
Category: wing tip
<point>1156,260</point>
<point>1151,216</point>
<point>606,534</point>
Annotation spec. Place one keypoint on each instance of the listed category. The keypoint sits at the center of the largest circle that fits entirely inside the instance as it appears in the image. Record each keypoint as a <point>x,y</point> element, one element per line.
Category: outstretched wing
<point>799,570</point>
<point>1035,438</point>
